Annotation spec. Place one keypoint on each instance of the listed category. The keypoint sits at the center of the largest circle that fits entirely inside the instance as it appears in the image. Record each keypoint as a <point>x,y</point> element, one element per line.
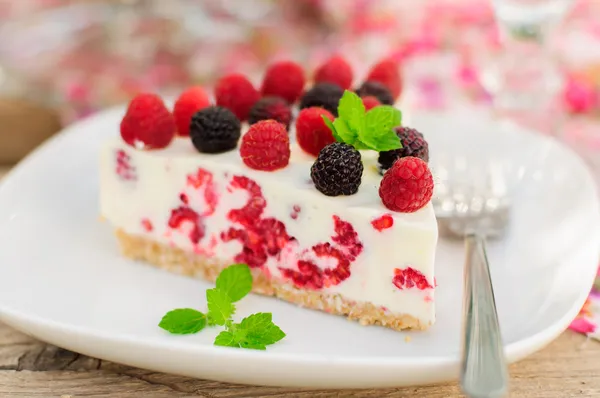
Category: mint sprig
<point>365,130</point>
<point>256,331</point>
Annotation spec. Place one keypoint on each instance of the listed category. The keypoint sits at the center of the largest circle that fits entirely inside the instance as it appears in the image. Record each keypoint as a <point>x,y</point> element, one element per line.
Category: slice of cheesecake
<point>334,248</point>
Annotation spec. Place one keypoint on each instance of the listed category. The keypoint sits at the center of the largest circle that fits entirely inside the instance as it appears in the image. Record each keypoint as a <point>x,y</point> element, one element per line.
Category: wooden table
<point>568,367</point>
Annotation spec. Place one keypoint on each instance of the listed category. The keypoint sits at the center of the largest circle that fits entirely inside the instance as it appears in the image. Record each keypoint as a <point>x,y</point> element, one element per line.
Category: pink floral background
<point>86,55</point>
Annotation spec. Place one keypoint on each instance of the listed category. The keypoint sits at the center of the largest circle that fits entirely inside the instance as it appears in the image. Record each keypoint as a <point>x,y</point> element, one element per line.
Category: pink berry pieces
<point>335,70</point>
<point>347,247</point>
<point>148,124</point>
<point>408,278</point>
<point>312,133</point>
<point>189,102</point>
<point>266,146</point>
<point>125,169</point>
<point>284,79</point>
<point>407,186</point>
<point>236,93</point>
<point>386,221</point>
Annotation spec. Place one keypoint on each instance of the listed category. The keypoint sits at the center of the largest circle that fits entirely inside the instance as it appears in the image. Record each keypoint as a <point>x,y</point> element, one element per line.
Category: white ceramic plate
<point>62,280</point>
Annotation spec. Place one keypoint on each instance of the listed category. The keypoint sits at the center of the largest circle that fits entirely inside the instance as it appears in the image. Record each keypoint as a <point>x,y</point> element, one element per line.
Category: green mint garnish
<point>235,281</point>
<point>220,306</point>
<point>183,321</point>
<point>365,130</point>
<point>256,331</point>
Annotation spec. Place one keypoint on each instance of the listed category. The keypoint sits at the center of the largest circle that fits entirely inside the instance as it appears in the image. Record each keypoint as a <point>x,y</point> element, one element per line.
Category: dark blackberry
<point>413,144</point>
<point>376,90</point>
<point>324,95</point>
<point>215,129</point>
<point>337,170</point>
<point>275,108</point>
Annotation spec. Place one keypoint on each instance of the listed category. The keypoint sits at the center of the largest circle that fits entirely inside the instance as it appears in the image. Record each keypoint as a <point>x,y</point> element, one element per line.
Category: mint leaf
<point>220,307</point>
<point>389,142</point>
<point>328,123</point>
<point>183,321</point>
<point>235,281</point>
<point>344,134</point>
<point>352,110</point>
<point>225,339</point>
<point>260,329</point>
<point>380,120</point>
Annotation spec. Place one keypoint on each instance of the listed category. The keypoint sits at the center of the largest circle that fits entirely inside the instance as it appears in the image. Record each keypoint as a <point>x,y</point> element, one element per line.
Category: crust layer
<point>197,266</point>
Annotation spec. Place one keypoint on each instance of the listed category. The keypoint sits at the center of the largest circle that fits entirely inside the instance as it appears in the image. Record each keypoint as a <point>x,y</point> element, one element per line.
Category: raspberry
<point>275,108</point>
<point>215,129</point>
<point>337,170</point>
<point>370,102</point>
<point>284,79</point>
<point>377,90</point>
<point>336,71</point>
<point>188,103</point>
<point>410,277</point>
<point>266,146</point>
<point>237,94</point>
<point>407,186</point>
<point>147,124</point>
<point>386,72</point>
<point>324,95</point>
<point>413,144</point>
<point>312,134</point>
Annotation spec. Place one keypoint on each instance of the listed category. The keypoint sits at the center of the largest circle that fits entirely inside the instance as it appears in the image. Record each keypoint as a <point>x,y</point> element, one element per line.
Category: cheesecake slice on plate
<point>346,231</point>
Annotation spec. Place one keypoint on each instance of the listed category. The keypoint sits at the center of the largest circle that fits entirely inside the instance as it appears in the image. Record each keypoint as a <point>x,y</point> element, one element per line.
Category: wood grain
<point>568,367</point>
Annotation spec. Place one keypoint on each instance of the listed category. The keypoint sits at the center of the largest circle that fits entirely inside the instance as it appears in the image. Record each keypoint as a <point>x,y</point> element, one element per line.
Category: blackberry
<point>215,129</point>
<point>376,90</point>
<point>337,170</point>
<point>271,107</point>
<point>324,95</point>
<point>413,144</point>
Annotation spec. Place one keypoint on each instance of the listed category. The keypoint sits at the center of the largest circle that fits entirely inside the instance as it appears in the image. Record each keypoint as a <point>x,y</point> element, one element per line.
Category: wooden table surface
<point>568,367</point>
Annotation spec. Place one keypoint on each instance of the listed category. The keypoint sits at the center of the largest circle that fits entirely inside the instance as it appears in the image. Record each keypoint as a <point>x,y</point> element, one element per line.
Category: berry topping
<point>236,93</point>
<point>215,129</point>
<point>377,90</point>
<point>407,186</point>
<point>275,108</point>
<point>266,146</point>
<point>188,103</point>
<point>312,133</point>
<point>336,71</point>
<point>370,102</point>
<point>386,72</point>
<point>284,79</point>
<point>148,124</point>
<point>337,170</point>
<point>410,277</point>
<point>384,222</point>
<point>324,95</point>
<point>413,144</point>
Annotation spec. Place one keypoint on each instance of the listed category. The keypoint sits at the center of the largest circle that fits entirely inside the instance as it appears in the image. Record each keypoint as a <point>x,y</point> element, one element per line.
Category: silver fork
<point>474,205</point>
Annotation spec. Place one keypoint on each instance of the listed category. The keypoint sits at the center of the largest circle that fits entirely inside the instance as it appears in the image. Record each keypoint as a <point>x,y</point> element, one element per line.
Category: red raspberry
<point>370,102</point>
<point>284,79</point>
<point>236,93</point>
<point>387,73</point>
<point>407,186</point>
<point>188,103</point>
<point>148,124</point>
<point>266,146</point>
<point>335,70</point>
<point>312,133</point>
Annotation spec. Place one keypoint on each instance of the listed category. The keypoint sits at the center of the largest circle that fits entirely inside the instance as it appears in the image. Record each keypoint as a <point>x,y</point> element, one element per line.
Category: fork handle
<point>484,372</point>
